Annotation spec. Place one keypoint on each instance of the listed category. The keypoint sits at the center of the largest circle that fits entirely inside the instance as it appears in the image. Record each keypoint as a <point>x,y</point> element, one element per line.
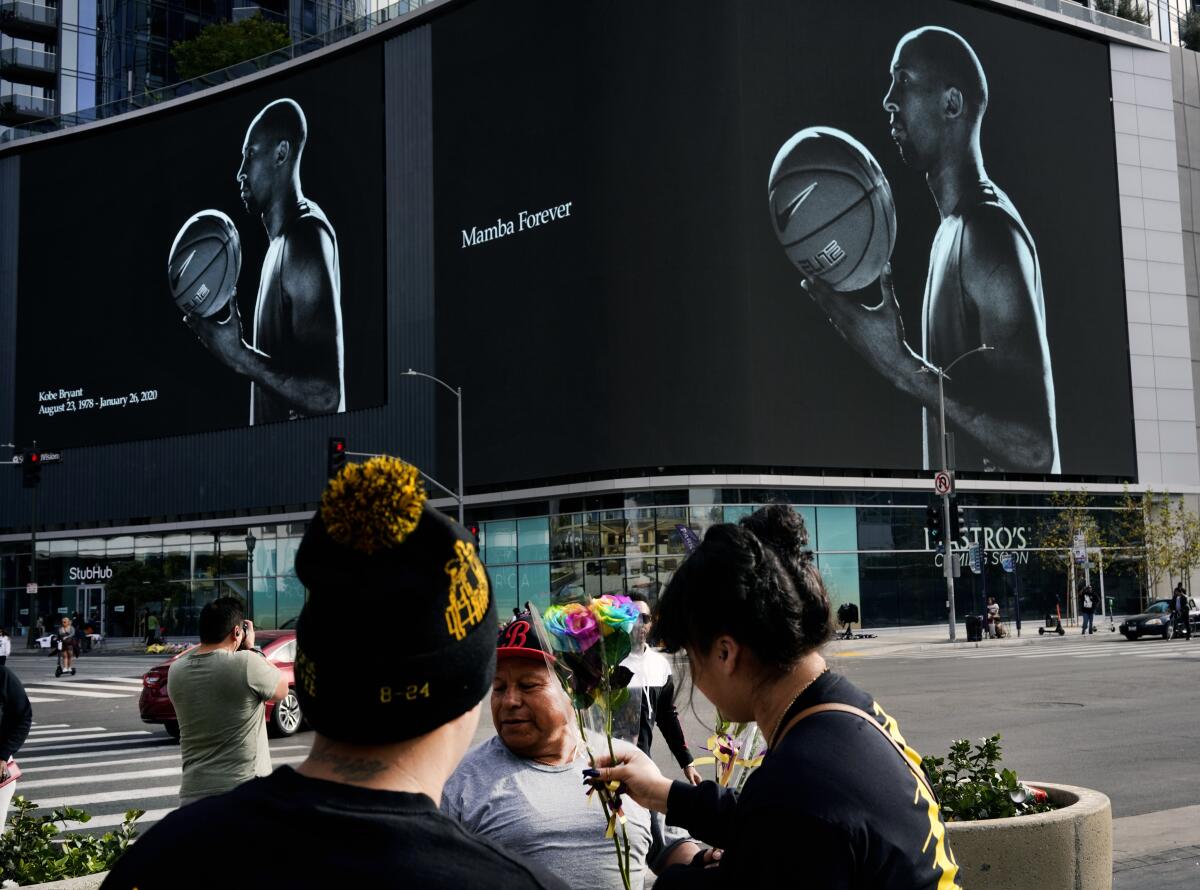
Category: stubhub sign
<point>89,573</point>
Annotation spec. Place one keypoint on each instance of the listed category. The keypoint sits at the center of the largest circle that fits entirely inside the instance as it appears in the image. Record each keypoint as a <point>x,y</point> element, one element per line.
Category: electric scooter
<point>58,670</point>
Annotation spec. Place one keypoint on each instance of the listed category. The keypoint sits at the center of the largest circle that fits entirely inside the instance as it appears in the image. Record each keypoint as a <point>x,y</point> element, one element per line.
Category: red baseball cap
<point>518,639</point>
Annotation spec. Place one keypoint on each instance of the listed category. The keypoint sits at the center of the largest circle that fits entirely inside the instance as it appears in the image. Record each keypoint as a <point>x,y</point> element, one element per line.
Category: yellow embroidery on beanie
<point>468,590</point>
<point>373,505</point>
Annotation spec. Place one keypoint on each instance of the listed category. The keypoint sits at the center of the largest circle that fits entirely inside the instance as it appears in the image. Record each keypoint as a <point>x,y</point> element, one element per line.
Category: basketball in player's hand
<point>832,208</point>
<point>204,263</point>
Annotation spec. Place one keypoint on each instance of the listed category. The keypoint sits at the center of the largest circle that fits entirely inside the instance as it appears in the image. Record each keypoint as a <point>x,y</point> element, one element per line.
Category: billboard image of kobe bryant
<point>811,215</point>
<point>252,274</point>
<point>983,310</point>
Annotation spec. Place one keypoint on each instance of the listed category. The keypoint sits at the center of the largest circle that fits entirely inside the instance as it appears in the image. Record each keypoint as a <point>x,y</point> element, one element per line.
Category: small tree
<point>1131,10</point>
<point>1146,529</point>
<point>1189,30</point>
<point>227,43</point>
<point>1056,531</point>
<point>1186,540</point>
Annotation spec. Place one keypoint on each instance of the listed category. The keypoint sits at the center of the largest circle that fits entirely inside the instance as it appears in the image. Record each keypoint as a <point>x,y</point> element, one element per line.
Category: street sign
<point>48,457</point>
<point>118,608</point>
<point>31,588</point>
<point>1007,562</point>
<point>976,555</point>
<point>1079,547</point>
<point>62,610</point>
<point>943,482</point>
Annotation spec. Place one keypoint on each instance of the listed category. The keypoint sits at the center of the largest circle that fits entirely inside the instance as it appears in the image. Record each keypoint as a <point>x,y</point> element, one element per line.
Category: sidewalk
<point>1157,851</point>
<point>901,640</point>
<point>111,646</point>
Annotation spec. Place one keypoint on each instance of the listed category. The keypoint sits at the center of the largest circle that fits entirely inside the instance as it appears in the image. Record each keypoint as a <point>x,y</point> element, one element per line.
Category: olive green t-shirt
<point>219,700</point>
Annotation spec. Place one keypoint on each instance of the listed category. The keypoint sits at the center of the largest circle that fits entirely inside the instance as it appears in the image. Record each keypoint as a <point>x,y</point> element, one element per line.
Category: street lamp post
<point>250,542</point>
<point>458,395</point>
<point>948,556</point>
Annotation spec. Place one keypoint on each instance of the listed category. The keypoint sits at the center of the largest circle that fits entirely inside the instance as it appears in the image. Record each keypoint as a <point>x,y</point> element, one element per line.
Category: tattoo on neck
<point>348,767</point>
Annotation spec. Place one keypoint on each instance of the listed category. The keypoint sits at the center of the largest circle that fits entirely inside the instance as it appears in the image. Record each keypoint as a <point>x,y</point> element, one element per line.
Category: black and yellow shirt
<point>834,806</point>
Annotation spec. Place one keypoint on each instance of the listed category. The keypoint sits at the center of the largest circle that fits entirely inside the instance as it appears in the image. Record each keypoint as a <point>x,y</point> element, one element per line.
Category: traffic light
<point>933,521</point>
<point>31,467</point>
<point>958,522</point>
<point>336,456</point>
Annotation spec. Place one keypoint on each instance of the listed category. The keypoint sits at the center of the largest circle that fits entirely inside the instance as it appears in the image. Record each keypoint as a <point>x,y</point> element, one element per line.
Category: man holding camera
<point>220,690</point>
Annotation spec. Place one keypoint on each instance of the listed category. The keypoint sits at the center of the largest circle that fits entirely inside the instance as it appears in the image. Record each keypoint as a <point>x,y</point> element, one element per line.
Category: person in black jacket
<point>840,801</point>
<point>16,716</point>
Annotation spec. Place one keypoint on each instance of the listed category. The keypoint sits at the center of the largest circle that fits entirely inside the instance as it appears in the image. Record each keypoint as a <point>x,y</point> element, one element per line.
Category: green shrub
<point>32,851</point>
<point>1126,9</point>
<point>969,787</point>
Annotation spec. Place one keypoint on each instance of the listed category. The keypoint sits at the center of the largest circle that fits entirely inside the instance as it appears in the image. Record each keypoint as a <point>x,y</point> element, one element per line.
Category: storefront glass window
<point>836,528</point>
<point>177,557</point>
<point>232,552</point>
<point>534,585</point>
<point>504,588</point>
<point>533,539</point>
<point>501,542</point>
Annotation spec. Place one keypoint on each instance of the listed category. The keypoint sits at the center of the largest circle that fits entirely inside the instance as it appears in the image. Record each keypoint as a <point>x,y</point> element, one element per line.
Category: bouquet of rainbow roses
<point>590,639</point>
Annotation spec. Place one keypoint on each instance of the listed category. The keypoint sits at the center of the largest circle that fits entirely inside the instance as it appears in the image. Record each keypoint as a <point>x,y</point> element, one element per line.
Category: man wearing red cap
<point>523,789</point>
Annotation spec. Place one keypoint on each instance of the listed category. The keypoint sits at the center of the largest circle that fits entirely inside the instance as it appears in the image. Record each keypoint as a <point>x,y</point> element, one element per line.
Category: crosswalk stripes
<point>108,772</point>
<point>53,690</point>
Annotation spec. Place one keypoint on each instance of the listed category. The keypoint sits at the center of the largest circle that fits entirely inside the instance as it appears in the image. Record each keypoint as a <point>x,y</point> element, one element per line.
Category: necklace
<point>771,740</point>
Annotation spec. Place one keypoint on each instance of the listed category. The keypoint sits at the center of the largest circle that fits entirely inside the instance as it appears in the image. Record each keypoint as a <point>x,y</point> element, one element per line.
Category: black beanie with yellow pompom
<point>375,556</point>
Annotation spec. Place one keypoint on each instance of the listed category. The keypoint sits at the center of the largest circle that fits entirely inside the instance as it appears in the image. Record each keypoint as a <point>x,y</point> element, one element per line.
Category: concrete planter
<point>87,882</point>
<point>1066,849</point>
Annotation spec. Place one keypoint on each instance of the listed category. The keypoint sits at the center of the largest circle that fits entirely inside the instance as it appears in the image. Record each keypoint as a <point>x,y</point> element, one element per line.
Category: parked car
<point>283,718</point>
<point>1156,621</point>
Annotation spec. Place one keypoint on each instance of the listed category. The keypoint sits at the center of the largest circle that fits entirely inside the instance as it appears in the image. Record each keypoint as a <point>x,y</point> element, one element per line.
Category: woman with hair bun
<point>840,801</point>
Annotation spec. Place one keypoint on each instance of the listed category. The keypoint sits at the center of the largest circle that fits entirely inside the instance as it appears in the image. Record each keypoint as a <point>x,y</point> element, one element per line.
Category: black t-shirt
<point>834,805</point>
<point>289,830</point>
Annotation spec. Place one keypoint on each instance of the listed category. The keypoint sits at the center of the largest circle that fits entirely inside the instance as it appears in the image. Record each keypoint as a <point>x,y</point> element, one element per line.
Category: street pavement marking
<point>845,654</point>
<point>159,773</point>
<point>83,693</point>
<point>37,726</point>
<point>88,684</point>
<point>35,733</point>
<point>44,740</point>
<point>137,681</point>
<point>79,800</point>
<point>138,794</point>
<point>35,700</point>
<point>58,767</point>
<point>152,743</point>
<point>61,767</point>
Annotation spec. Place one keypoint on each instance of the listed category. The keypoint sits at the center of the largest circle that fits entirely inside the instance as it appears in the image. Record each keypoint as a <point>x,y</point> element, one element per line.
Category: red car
<point>283,718</point>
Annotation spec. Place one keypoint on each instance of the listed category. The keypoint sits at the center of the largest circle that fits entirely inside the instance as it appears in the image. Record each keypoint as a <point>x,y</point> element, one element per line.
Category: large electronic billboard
<point>750,234</point>
<point>213,266</point>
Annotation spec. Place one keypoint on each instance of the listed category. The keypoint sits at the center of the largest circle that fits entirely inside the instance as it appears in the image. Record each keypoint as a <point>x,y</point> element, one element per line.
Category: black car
<point>1157,621</point>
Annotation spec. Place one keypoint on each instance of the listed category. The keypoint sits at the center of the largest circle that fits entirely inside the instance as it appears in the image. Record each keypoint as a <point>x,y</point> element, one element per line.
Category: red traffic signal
<point>335,456</point>
<point>31,467</point>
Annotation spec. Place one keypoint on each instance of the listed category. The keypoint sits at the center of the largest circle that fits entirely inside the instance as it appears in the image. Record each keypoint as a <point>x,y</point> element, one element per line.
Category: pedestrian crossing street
<point>68,687</point>
<point>1054,647</point>
<point>106,772</point>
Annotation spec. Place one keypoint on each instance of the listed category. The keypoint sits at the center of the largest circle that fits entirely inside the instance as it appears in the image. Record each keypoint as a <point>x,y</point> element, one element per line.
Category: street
<point>1099,711</point>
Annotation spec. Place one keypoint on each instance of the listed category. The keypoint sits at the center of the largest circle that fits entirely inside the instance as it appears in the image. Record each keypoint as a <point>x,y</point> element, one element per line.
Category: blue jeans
<point>1087,621</point>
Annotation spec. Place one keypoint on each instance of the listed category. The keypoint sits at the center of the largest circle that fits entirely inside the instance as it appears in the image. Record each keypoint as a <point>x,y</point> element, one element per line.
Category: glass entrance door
<point>89,602</point>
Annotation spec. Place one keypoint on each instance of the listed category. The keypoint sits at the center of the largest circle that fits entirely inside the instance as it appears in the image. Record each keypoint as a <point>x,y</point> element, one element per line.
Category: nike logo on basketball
<point>183,268</point>
<point>782,217</point>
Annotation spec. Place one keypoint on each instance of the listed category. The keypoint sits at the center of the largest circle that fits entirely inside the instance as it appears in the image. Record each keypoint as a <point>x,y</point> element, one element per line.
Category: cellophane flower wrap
<point>737,749</point>
<point>590,639</point>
